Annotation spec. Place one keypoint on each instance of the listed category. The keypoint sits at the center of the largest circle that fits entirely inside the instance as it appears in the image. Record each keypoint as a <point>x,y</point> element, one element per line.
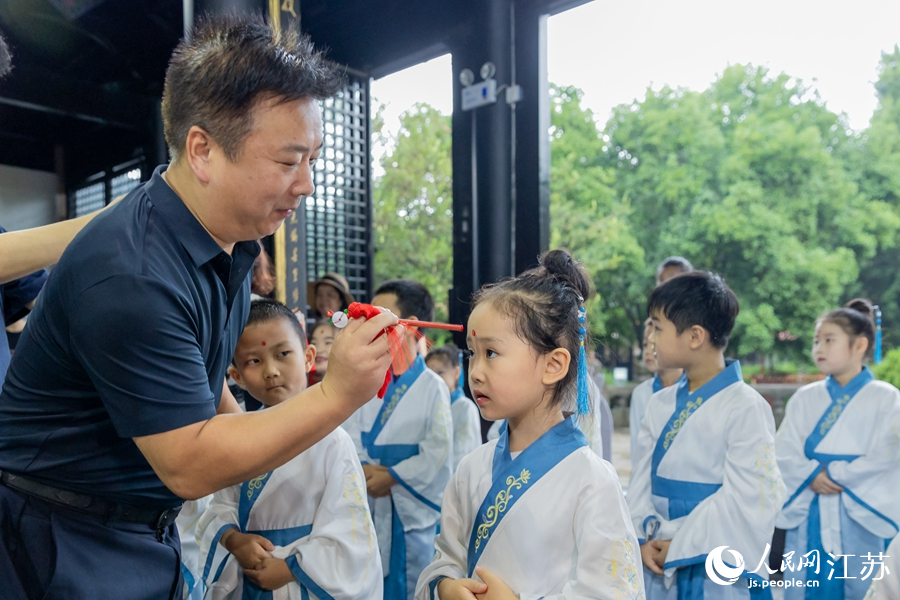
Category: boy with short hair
<point>466,420</point>
<point>405,443</point>
<point>302,530</point>
<point>707,477</point>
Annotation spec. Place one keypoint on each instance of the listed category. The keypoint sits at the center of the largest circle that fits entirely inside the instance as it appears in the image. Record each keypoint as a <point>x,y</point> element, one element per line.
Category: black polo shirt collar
<point>201,247</point>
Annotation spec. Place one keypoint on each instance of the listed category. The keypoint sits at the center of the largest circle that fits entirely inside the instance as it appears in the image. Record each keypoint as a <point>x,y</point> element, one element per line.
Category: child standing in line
<point>535,514</point>
<point>187,521</point>
<point>405,443</point>
<point>322,338</point>
<point>640,397</point>
<point>885,582</point>
<point>709,477</point>
<point>302,531</point>
<point>466,424</point>
<point>839,450</point>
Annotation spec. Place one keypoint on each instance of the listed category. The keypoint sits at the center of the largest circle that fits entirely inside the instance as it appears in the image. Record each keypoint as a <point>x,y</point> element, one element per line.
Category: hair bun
<point>863,306</point>
<point>559,263</point>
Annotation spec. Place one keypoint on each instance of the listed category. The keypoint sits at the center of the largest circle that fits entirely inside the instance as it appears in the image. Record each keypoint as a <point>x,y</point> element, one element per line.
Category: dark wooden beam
<point>42,91</point>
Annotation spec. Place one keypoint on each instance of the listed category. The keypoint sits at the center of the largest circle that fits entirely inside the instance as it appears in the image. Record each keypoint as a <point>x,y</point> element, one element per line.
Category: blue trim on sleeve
<point>188,578</point>
<point>432,587</point>
<point>865,505</point>
<point>305,579</point>
<point>649,519</point>
<point>415,494</point>
<point>683,562</point>
<point>803,486</point>
<point>212,552</point>
<point>284,537</point>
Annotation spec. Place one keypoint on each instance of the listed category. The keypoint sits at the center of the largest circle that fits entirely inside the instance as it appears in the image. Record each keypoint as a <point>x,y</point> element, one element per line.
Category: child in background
<point>640,397</point>
<point>302,531</point>
<point>405,443</point>
<point>466,423</point>
<point>885,582</point>
<point>839,450</point>
<point>708,477</point>
<point>322,338</point>
<point>536,513</point>
<point>187,521</point>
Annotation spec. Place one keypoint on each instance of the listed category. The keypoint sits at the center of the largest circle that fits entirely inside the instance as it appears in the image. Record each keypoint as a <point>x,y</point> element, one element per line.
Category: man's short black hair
<point>449,354</point>
<point>413,298</point>
<point>5,58</point>
<point>697,298</point>
<point>227,65</point>
<point>264,310</point>
<point>677,262</point>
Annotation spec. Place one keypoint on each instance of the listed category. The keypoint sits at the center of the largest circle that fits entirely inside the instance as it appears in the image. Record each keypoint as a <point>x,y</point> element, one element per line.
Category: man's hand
<point>823,484</point>
<point>378,480</point>
<point>271,574</point>
<point>248,549</point>
<point>662,550</point>
<point>649,553</point>
<point>358,361</point>
<point>496,587</point>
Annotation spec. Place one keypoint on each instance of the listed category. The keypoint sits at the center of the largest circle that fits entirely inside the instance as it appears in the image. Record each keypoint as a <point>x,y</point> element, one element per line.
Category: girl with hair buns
<point>535,513</point>
<point>838,449</point>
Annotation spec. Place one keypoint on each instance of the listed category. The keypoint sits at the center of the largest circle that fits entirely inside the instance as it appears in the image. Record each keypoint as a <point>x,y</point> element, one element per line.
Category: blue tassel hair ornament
<point>584,401</point>
<point>877,335</point>
<point>462,371</point>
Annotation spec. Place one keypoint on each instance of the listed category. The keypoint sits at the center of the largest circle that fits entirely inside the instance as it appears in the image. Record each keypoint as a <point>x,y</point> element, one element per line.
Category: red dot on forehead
<point>263,343</point>
<point>473,333</point>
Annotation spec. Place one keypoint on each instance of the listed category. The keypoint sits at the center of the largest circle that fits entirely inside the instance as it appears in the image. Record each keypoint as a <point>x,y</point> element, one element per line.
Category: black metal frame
<point>338,214</point>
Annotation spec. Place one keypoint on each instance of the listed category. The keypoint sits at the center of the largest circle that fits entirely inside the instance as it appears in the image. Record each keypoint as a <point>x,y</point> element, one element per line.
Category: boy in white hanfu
<point>466,423</point>
<point>707,477</point>
<point>405,443</point>
<point>302,531</point>
<point>839,450</point>
<point>536,513</point>
<point>640,396</point>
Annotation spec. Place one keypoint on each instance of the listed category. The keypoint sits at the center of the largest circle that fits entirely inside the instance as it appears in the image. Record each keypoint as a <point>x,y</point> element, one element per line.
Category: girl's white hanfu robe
<point>551,522</point>
<point>411,432</point>
<point>466,425</point>
<point>853,432</point>
<point>314,510</point>
<point>707,478</point>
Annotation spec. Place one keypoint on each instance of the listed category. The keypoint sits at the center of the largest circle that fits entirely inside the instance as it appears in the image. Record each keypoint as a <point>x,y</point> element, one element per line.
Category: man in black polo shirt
<point>114,407</point>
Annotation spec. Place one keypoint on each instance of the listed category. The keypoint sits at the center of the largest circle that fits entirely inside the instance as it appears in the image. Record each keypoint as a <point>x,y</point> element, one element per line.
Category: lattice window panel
<point>90,198</point>
<point>124,183</point>
<point>338,214</point>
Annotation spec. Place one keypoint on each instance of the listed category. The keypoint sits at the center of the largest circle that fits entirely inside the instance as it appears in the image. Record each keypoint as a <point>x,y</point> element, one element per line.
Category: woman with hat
<point>330,292</point>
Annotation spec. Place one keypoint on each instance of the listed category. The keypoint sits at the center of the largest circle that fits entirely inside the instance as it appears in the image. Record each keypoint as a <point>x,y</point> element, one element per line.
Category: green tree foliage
<point>753,178</point>
<point>589,218</point>
<point>889,369</point>
<point>746,178</point>
<point>876,165</point>
<point>413,199</point>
